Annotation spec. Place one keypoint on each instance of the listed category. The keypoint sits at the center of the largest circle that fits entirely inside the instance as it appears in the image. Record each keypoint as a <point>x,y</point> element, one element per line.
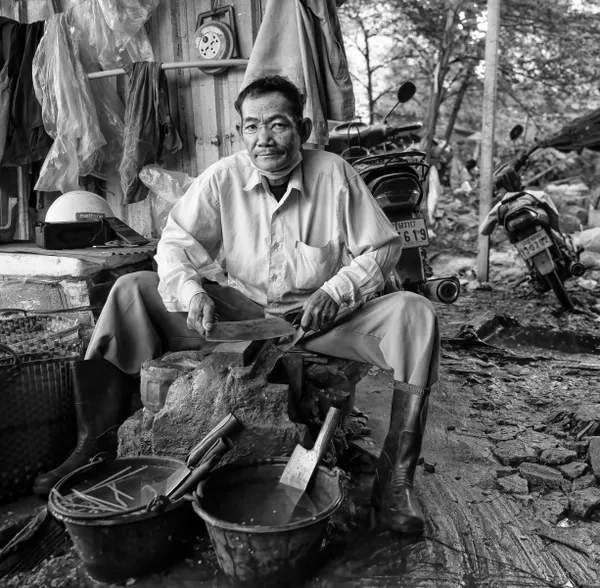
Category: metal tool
<point>201,471</point>
<point>299,470</point>
<point>202,452</point>
<point>270,354</point>
<point>303,462</point>
<point>250,330</point>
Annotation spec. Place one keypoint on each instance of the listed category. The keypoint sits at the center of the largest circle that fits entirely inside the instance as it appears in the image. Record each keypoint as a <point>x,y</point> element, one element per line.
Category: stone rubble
<point>550,465</point>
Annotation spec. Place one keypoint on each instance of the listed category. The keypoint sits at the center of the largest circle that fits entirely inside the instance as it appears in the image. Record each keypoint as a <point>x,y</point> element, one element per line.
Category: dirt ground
<point>508,479</point>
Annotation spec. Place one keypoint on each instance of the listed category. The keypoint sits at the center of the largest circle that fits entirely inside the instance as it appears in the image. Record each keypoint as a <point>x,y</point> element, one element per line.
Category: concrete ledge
<point>27,259</point>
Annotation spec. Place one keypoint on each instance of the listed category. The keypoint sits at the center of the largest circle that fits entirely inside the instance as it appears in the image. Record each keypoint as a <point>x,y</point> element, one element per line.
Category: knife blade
<point>250,330</point>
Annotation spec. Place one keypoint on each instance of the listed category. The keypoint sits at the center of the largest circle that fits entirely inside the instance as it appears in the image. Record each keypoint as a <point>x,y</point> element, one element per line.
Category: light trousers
<point>396,332</point>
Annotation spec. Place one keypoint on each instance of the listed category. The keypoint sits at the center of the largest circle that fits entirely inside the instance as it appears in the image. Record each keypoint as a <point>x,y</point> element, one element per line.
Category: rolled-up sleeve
<point>189,244</point>
<point>372,243</point>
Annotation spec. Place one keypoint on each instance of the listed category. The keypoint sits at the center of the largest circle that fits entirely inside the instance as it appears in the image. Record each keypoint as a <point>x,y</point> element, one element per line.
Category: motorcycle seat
<point>511,203</point>
<point>396,194</point>
<point>407,170</point>
<point>395,183</point>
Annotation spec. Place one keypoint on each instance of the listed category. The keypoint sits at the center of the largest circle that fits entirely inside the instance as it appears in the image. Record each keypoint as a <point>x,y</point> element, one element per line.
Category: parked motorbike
<point>396,178</point>
<point>530,219</point>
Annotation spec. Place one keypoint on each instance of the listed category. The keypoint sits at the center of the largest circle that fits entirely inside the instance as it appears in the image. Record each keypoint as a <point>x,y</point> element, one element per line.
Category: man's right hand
<point>201,314</point>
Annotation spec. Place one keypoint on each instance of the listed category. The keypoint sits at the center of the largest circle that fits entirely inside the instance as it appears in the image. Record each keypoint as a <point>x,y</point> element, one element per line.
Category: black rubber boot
<point>395,503</point>
<point>102,394</point>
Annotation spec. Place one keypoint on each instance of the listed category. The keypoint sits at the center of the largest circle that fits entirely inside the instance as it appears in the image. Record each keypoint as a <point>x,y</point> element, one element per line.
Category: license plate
<point>413,232</point>
<point>534,244</point>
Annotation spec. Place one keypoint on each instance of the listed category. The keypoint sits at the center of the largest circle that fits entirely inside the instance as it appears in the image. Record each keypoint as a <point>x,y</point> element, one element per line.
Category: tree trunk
<point>439,75</point>
<point>464,86</point>
<point>367,56</point>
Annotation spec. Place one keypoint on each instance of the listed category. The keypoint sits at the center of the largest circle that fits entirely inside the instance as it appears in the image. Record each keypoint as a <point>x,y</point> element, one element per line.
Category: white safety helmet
<point>77,206</point>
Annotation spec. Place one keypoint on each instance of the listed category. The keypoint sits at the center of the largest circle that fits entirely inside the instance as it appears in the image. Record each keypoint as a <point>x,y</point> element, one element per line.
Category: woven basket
<point>38,426</point>
<point>39,333</point>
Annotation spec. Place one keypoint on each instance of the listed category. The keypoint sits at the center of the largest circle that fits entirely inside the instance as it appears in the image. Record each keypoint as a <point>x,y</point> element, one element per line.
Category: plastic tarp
<point>582,132</point>
<point>68,109</point>
<point>512,201</point>
<point>113,32</point>
<point>166,188</point>
<point>86,117</point>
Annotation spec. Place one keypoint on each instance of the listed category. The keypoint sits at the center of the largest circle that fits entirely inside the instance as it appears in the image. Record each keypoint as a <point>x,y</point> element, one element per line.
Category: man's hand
<point>201,314</point>
<point>320,311</point>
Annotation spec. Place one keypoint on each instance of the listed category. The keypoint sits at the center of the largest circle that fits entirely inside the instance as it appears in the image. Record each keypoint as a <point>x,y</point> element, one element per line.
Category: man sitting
<point>299,232</point>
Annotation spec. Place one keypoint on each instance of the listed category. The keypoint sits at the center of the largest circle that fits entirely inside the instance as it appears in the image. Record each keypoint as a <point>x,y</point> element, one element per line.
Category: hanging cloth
<point>150,136</point>
<point>302,40</point>
<point>7,26</point>
<point>26,140</point>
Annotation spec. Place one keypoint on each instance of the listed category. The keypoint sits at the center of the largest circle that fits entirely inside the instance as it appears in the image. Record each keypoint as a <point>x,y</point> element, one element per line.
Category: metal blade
<point>302,464</point>
<point>250,330</point>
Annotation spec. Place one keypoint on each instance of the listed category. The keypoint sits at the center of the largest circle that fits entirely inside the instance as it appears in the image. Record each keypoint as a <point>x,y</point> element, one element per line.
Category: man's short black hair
<point>268,84</point>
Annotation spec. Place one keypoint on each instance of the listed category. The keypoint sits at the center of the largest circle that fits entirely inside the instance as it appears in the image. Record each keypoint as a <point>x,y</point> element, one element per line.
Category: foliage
<point>547,59</point>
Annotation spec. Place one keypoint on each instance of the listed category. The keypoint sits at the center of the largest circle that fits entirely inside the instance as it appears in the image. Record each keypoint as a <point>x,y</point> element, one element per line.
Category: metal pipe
<point>577,269</point>
<point>445,290</point>
<point>176,65</point>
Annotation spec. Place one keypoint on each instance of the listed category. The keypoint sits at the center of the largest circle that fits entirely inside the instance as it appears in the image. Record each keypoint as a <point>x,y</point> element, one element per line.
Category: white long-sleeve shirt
<point>326,232</point>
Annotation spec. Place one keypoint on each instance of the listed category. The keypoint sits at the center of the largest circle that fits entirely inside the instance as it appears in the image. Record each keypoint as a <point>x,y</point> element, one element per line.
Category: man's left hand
<point>320,311</point>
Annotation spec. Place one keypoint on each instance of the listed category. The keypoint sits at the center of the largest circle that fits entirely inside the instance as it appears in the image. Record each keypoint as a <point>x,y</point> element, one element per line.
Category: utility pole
<point>487,129</point>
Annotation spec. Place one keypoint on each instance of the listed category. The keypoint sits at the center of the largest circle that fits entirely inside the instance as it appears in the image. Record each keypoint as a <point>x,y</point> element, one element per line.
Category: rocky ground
<point>511,462</point>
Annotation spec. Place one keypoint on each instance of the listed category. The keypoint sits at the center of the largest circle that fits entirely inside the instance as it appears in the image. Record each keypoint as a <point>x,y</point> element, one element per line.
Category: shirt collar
<point>296,180</point>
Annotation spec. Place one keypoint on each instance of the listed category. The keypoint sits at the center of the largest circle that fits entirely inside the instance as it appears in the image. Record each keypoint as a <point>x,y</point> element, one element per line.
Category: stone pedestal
<point>198,400</point>
<point>185,394</point>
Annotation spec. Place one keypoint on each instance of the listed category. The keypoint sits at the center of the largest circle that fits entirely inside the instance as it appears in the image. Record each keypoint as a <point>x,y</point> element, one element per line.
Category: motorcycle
<point>531,221</point>
<point>396,177</point>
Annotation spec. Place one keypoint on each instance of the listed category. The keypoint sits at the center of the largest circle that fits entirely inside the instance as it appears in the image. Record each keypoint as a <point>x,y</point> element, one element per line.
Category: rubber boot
<point>394,500</point>
<point>102,395</point>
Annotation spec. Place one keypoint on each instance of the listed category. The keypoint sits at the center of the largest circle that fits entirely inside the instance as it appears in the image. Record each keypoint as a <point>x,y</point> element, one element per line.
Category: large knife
<point>250,330</point>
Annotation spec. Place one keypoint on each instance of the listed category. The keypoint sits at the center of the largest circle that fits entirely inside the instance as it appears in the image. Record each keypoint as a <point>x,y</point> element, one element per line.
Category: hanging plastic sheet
<point>68,109</point>
<point>113,34</point>
<point>127,16</point>
<point>166,188</point>
<point>110,111</point>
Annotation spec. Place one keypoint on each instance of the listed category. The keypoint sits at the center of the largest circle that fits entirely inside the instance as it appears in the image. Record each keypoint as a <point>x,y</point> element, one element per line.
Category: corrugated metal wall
<point>201,104</point>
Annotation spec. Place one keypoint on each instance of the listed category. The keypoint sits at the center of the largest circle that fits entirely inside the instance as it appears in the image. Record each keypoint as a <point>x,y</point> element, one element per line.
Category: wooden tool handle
<point>326,433</point>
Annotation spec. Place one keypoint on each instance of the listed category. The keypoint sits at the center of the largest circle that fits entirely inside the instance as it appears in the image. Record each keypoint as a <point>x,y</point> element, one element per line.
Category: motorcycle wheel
<point>559,290</point>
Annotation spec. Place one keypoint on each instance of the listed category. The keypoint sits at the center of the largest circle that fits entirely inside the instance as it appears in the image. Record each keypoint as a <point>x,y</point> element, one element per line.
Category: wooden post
<point>487,126</point>
<point>23,191</point>
<point>23,182</point>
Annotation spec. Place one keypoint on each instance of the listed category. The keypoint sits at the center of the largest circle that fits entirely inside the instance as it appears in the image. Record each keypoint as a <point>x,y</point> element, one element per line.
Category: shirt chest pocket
<point>315,265</point>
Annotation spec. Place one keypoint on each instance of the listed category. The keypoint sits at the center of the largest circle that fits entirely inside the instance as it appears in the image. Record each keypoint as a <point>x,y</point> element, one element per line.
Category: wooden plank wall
<point>201,104</point>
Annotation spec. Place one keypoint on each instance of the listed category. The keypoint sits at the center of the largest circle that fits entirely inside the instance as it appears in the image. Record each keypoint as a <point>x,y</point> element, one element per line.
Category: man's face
<point>271,133</point>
